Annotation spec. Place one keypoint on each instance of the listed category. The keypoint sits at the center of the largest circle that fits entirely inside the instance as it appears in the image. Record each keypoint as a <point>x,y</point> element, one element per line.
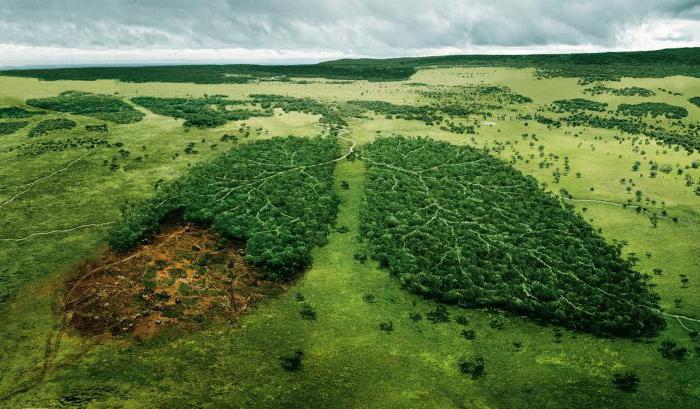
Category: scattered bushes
<point>50,125</point>
<point>688,139</point>
<point>440,314</point>
<point>206,112</point>
<point>104,107</point>
<point>244,194</point>
<point>654,109</point>
<point>462,227</point>
<point>59,145</point>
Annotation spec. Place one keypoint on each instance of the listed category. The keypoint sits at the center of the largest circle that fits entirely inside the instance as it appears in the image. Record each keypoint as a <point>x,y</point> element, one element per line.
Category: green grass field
<point>57,206</point>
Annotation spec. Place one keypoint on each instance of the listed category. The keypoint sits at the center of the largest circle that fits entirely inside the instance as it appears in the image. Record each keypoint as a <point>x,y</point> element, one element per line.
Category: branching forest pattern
<point>459,226</point>
<point>276,195</point>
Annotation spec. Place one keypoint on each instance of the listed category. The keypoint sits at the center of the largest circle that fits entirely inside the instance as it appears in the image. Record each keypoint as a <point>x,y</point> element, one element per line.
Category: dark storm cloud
<point>352,27</point>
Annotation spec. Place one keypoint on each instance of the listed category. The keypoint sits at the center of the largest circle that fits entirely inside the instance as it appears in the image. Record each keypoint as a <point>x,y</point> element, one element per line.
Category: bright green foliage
<point>16,113</point>
<point>206,112</point>
<point>275,194</point>
<point>7,128</point>
<point>50,125</point>
<point>105,107</point>
<point>462,227</point>
<point>578,104</point>
<point>654,109</point>
<point>695,101</point>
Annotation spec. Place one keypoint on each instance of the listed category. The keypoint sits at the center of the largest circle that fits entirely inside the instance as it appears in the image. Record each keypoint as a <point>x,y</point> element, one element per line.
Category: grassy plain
<point>348,361</point>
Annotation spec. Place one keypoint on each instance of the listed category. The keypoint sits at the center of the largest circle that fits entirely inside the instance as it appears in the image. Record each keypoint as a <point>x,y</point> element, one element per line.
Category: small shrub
<point>474,367</point>
<point>416,316</point>
<point>672,350</point>
<point>627,381</point>
<point>368,298</point>
<point>440,314</point>
<point>462,320</point>
<point>468,334</point>
<point>308,312</point>
<point>292,362</point>
<point>387,326</point>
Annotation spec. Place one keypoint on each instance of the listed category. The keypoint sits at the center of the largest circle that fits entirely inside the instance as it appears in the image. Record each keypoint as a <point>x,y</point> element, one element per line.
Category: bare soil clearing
<point>185,276</point>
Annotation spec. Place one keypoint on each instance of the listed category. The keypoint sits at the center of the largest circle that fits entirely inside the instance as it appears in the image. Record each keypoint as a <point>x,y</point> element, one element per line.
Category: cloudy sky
<point>83,32</point>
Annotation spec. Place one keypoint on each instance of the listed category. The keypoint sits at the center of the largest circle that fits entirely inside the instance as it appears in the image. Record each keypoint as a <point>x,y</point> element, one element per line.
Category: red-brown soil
<point>185,276</point>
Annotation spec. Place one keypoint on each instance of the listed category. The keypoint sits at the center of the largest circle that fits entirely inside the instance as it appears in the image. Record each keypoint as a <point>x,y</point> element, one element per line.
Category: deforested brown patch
<point>185,277</point>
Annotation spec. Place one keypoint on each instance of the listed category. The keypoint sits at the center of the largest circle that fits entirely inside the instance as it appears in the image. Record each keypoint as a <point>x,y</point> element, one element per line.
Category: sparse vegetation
<point>51,125</point>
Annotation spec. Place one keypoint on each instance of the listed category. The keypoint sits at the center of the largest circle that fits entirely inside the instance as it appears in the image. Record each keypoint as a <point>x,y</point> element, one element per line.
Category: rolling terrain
<point>465,231</point>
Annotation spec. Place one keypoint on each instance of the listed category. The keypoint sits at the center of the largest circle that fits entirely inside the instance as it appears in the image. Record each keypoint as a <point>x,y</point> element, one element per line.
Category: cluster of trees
<point>695,101</point>
<point>459,226</point>
<point>10,127</point>
<point>654,109</point>
<point>599,89</point>
<point>206,112</point>
<point>472,100</point>
<point>427,114</point>
<point>688,138</point>
<point>58,145</point>
<point>578,104</point>
<point>502,94</point>
<point>245,194</point>
<point>17,113</point>
<point>545,120</point>
<point>331,115</point>
<point>96,128</point>
<point>50,125</point>
<point>104,107</point>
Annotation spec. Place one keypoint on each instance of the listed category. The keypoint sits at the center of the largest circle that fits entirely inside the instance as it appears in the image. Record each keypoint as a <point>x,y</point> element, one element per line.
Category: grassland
<point>56,207</point>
